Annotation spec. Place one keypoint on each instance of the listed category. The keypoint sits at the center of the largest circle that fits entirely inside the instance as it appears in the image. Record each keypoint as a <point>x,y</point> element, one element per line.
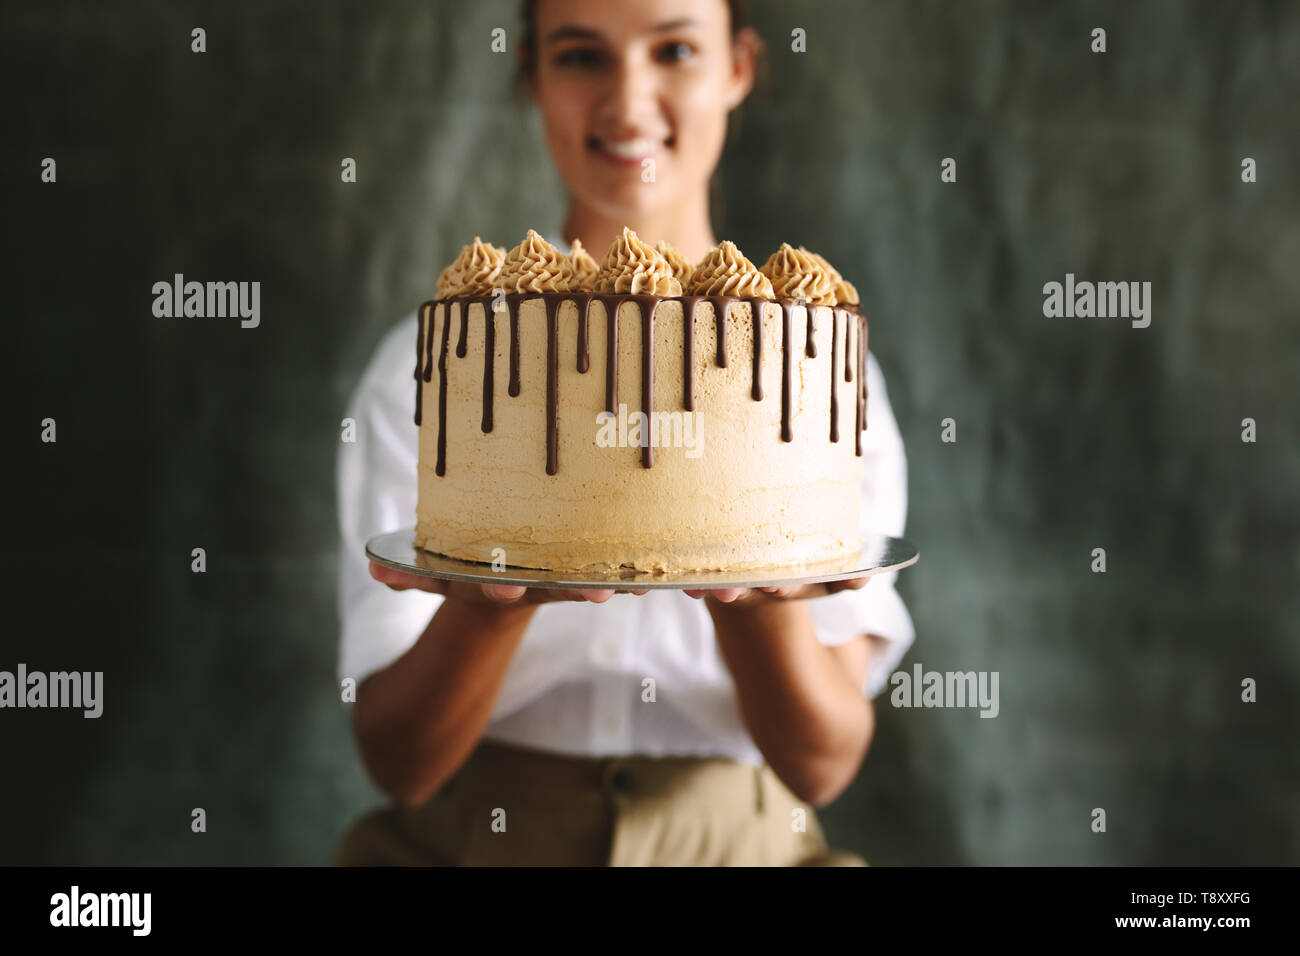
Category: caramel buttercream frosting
<point>726,271</point>
<point>536,266</point>
<point>494,400</point>
<point>632,267</point>
<point>475,271</point>
<point>795,274</point>
<point>681,268</point>
<point>585,268</point>
<point>846,293</point>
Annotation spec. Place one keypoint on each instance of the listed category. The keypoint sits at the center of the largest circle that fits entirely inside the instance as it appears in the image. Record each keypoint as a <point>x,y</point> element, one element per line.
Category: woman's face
<point>634,95</point>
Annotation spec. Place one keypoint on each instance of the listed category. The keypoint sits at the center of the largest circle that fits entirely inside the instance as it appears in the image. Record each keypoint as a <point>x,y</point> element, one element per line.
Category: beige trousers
<point>511,806</point>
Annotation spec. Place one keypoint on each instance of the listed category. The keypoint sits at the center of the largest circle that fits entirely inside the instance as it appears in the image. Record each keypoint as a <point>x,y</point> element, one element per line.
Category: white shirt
<point>575,683</point>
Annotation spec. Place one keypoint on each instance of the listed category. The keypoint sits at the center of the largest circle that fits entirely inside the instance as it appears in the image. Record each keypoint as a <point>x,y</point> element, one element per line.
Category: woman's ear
<point>746,47</point>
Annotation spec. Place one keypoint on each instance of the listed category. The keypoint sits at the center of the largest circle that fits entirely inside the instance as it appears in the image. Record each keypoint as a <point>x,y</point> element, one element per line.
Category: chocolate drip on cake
<point>720,304</point>
<point>756,384</point>
<point>464,327</point>
<point>553,301</point>
<point>584,356</point>
<point>689,302</point>
<point>512,306</point>
<point>421,324</point>
<point>848,369</point>
<point>859,424</point>
<point>428,339</point>
<point>489,364</point>
<point>441,468</point>
<point>610,302</point>
<point>647,306</point>
<point>552,384</point>
<point>835,397</point>
<point>786,433</point>
<point>463,304</point>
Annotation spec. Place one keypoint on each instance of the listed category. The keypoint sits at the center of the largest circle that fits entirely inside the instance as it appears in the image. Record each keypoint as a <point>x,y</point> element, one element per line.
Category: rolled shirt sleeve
<point>377,493</point>
<point>877,608</point>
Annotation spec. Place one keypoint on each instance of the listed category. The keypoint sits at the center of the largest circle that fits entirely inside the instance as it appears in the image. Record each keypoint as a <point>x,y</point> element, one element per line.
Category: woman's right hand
<point>491,595</point>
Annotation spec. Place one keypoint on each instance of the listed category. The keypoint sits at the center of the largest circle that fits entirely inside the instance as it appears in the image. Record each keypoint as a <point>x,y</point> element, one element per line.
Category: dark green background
<point>1119,691</point>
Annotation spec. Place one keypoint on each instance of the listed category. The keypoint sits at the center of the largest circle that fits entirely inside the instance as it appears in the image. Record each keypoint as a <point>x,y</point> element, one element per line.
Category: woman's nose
<point>633,99</point>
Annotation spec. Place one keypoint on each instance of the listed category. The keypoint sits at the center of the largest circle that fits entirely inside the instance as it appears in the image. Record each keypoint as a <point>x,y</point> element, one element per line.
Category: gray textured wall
<point>1119,690</point>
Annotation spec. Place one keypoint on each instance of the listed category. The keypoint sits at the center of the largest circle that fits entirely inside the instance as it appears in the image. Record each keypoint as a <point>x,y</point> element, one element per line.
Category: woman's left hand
<point>746,597</point>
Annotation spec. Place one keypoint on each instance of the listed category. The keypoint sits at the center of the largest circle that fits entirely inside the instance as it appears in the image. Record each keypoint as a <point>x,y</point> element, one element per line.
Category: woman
<point>510,725</point>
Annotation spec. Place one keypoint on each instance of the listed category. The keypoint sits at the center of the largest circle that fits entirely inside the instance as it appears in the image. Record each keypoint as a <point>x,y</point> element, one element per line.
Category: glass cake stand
<point>879,553</point>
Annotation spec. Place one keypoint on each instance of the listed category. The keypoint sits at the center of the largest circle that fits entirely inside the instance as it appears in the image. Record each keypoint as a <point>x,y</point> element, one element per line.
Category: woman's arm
<point>801,701</point>
<point>419,719</point>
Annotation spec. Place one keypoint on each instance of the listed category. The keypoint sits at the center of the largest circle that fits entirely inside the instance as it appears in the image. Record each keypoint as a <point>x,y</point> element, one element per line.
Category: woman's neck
<point>687,227</point>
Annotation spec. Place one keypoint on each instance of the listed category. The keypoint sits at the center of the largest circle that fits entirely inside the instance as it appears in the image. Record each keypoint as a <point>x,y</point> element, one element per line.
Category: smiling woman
<point>532,726</point>
<point>635,100</point>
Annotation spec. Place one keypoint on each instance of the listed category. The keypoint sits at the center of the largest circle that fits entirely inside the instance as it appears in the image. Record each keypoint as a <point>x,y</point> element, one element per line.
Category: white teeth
<point>629,148</point>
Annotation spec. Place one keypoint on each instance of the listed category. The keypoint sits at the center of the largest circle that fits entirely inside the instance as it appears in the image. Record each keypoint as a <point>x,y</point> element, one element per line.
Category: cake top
<point>475,271</point>
<point>681,268</point>
<point>726,271</point>
<point>536,266</point>
<point>797,275</point>
<point>845,292</point>
<point>585,268</point>
<point>632,266</point>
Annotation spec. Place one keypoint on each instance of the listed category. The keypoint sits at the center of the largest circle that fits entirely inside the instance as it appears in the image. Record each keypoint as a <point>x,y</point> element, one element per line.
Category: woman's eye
<point>580,57</point>
<point>674,52</point>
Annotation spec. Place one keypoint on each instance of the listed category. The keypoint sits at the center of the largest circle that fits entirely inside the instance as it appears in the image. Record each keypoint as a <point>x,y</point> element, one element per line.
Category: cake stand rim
<point>396,549</point>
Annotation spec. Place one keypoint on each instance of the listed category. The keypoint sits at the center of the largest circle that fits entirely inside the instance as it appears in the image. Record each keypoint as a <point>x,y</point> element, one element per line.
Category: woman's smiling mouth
<point>627,152</point>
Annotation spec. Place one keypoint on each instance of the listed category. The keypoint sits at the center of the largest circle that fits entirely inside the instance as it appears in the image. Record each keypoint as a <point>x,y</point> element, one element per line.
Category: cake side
<point>721,479</point>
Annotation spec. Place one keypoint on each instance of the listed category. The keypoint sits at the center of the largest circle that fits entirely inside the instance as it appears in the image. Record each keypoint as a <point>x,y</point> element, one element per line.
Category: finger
<point>695,594</point>
<point>834,587</point>
<point>383,575</point>
<point>553,595</point>
<point>404,580</point>
<point>729,595</point>
<point>504,593</point>
<point>795,592</point>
